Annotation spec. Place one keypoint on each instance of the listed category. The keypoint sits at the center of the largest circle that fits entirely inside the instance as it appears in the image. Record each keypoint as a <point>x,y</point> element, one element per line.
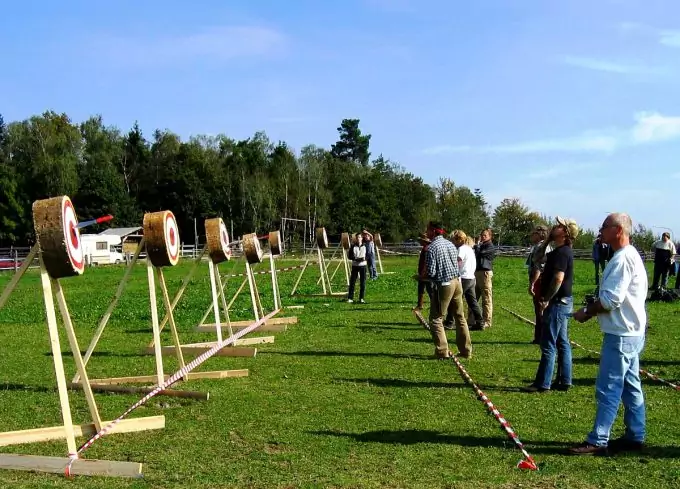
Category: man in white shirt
<point>620,310</point>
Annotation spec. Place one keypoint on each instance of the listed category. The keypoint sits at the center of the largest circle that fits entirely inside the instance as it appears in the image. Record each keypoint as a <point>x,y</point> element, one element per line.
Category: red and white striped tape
<point>528,461</point>
<point>265,272</point>
<point>171,380</point>
<point>596,353</point>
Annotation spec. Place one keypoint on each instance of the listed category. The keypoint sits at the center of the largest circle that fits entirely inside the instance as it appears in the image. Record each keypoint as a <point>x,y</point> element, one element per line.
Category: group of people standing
<point>620,310</point>
<point>452,268</point>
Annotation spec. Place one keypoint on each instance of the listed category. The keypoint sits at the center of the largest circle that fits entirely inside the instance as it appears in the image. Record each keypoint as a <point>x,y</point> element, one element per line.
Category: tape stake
<point>528,462</point>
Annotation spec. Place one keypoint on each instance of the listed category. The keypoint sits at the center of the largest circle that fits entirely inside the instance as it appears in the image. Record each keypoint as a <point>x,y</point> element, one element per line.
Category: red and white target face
<point>172,237</point>
<point>224,238</point>
<point>72,235</point>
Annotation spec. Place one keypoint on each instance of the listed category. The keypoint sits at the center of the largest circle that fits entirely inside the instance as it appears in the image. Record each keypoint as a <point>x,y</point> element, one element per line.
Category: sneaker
<point>586,448</point>
<point>466,356</point>
<point>361,301</point>
<point>560,387</point>
<point>350,301</point>
<point>449,326</point>
<point>443,357</point>
<point>533,388</point>
<point>623,444</point>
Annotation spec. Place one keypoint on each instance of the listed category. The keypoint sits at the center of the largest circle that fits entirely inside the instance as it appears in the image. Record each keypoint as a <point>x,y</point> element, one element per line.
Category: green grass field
<point>349,397</point>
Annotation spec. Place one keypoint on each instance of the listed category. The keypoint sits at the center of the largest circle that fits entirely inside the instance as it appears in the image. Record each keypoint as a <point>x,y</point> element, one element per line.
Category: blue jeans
<point>618,379</point>
<point>555,339</point>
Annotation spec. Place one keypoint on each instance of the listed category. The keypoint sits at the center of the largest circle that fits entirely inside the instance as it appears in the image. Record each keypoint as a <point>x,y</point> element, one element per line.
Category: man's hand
<point>581,315</point>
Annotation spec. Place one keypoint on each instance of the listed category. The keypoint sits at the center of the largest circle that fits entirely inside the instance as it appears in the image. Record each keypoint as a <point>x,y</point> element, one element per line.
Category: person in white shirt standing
<point>620,310</point>
<point>467,265</point>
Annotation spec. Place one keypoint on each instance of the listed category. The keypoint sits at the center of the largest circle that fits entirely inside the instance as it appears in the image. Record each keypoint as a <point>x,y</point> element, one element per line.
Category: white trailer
<point>102,249</point>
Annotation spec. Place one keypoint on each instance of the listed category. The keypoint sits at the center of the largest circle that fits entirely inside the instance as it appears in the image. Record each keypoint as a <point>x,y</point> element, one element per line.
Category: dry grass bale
<point>321,238</point>
<point>252,248</point>
<point>55,223</point>
<point>345,240</point>
<point>275,243</point>
<point>161,236</point>
<point>218,240</point>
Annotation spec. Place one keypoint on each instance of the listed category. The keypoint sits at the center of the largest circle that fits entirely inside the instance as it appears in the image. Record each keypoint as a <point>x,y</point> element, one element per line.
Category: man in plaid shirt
<point>447,294</point>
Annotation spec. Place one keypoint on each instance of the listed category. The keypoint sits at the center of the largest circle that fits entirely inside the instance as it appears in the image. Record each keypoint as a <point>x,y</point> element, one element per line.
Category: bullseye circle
<point>171,234</point>
<point>72,235</point>
<point>224,238</point>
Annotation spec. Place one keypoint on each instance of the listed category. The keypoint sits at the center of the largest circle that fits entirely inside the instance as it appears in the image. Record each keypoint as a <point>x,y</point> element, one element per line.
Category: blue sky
<point>571,106</point>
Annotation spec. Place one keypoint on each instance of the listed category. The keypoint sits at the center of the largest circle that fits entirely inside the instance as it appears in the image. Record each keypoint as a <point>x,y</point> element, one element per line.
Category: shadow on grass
<point>24,387</point>
<point>392,323</point>
<point>659,363</point>
<point>365,327</point>
<point>413,437</point>
<point>404,383</point>
<point>99,354</point>
<point>349,354</point>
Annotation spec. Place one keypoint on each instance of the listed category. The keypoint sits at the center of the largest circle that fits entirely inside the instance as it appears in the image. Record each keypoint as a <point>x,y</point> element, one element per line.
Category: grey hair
<point>623,221</point>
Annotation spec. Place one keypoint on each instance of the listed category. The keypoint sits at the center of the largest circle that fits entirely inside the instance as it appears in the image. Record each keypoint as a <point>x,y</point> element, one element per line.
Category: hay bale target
<point>56,228</point>
<point>218,240</point>
<point>275,243</point>
<point>252,248</point>
<point>161,236</point>
<point>321,238</point>
<point>345,240</point>
<point>377,239</point>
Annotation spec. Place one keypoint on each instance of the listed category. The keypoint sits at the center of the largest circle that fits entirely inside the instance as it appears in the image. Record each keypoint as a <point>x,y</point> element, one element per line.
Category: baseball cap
<point>570,225</point>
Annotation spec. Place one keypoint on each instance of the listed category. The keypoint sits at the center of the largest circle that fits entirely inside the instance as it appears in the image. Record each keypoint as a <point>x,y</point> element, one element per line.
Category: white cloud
<point>653,127</point>
<point>558,170</point>
<point>670,38</point>
<point>649,127</point>
<point>612,66</point>
<point>216,44</point>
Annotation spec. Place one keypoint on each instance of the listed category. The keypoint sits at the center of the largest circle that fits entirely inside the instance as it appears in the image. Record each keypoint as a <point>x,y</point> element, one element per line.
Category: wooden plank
<point>228,351</point>
<point>156,346</point>
<point>265,328</point>
<point>171,316</point>
<point>201,396</point>
<point>87,430</point>
<point>294,307</point>
<point>272,321</point>
<point>258,340</point>
<point>223,299</point>
<point>145,379</point>
<point>215,303</point>
<point>56,465</point>
<point>66,430</point>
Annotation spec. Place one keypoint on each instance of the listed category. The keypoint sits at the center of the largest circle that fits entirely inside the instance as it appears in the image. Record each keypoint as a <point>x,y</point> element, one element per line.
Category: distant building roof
<point>122,232</point>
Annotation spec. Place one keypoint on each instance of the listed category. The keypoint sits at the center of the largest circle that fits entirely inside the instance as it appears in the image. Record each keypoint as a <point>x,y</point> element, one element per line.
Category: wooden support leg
<point>322,266</point>
<point>238,291</point>
<point>272,269</point>
<point>345,261</point>
<point>185,282</point>
<point>216,307</point>
<point>154,323</point>
<point>75,350</point>
<point>173,326</point>
<point>107,315</point>
<point>377,252</point>
<point>251,284</point>
<point>58,361</point>
<point>224,301</point>
<point>17,275</point>
<point>297,282</point>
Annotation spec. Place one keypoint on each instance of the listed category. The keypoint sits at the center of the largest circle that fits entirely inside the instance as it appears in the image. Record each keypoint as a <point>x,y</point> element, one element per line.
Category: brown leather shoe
<point>586,448</point>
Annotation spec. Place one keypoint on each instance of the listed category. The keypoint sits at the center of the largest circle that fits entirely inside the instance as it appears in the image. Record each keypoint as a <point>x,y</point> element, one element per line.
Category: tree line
<point>250,183</point>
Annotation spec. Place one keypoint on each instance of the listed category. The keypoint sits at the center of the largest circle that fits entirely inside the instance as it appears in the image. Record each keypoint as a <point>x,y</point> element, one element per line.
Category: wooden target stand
<point>253,255</point>
<point>161,243</point>
<point>324,279</point>
<point>60,253</point>
<point>377,242</point>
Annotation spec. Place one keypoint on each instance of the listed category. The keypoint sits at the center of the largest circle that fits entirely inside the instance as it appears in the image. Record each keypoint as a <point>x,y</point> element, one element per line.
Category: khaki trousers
<point>449,298</point>
<point>484,290</point>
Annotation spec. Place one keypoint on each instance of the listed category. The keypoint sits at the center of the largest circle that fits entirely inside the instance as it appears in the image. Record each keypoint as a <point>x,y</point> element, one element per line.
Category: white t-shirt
<point>468,265</point>
<point>623,292</point>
